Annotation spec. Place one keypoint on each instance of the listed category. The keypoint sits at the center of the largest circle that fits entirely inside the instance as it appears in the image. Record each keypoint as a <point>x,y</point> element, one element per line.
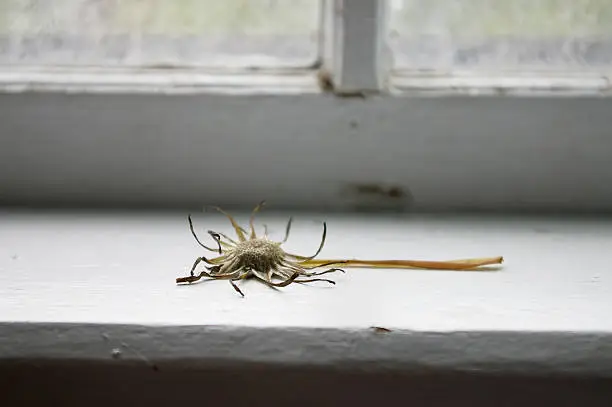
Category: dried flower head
<point>264,259</point>
<point>259,257</point>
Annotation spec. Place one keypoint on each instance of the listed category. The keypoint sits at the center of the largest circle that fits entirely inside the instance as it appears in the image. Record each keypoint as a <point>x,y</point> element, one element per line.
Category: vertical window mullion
<point>354,48</point>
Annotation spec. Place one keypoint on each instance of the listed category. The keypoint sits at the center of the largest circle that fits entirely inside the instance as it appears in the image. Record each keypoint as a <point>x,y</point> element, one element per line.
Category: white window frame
<point>342,135</point>
<point>461,142</point>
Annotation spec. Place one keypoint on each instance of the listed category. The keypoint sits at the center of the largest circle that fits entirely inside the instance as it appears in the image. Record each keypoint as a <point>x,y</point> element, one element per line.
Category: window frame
<point>354,59</point>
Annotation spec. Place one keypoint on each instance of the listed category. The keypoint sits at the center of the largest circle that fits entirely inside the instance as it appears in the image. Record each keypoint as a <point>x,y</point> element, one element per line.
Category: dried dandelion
<point>265,259</point>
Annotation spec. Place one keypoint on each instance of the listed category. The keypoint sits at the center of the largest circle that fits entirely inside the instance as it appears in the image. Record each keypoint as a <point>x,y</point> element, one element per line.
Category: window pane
<point>215,33</point>
<point>551,35</point>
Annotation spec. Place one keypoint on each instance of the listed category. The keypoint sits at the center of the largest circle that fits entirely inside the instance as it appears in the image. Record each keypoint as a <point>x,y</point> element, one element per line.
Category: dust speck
<point>116,353</point>
<point>380,329</point>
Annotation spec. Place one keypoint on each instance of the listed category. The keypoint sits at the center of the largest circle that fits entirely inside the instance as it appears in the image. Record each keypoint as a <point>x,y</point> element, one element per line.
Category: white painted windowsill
<point>99,287</point>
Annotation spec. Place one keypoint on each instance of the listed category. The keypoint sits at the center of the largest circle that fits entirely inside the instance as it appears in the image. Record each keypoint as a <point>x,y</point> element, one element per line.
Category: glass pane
<point>213,33</point>
<point>527,35</point>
